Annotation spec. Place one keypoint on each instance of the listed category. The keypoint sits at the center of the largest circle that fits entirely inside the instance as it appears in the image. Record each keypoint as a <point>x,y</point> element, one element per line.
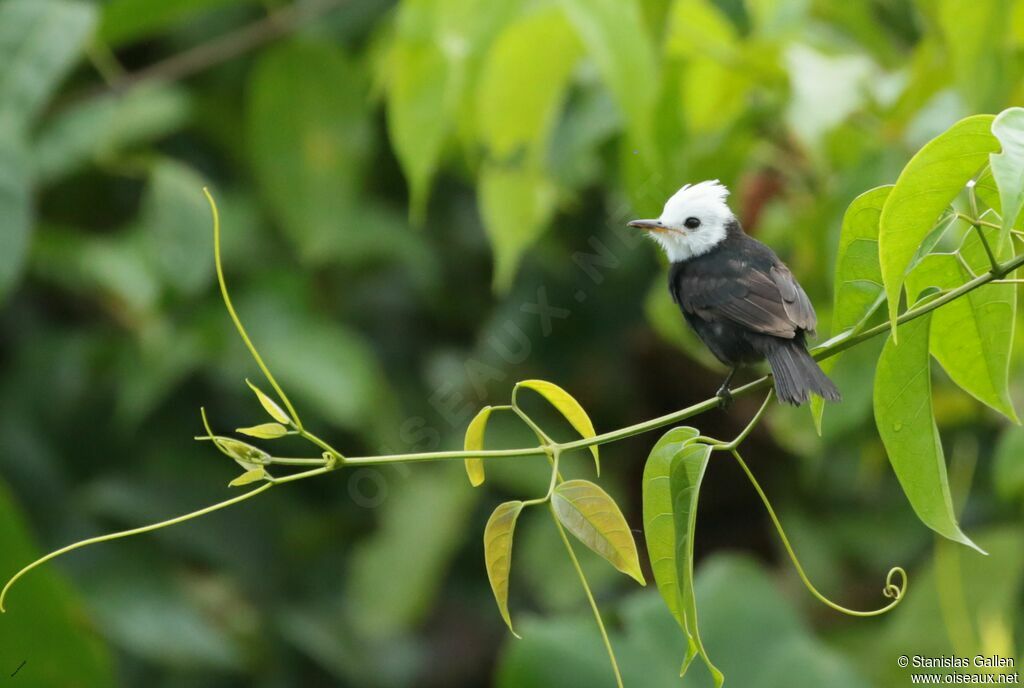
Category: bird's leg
<point>723,392</point>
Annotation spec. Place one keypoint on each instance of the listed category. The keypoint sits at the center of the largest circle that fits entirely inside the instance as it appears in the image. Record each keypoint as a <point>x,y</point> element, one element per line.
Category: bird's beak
<point>648,225</point>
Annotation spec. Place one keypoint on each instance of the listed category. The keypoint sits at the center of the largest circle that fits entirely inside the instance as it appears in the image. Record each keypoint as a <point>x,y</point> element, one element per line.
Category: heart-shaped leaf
<point>589,513</point>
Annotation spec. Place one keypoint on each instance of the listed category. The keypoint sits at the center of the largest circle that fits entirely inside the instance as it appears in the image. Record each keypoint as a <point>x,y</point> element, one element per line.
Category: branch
<point>222,48</point>
<point>831,348</point>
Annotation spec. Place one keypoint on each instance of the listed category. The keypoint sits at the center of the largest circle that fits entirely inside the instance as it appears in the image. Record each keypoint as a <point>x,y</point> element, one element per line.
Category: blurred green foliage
<point>406,187</point>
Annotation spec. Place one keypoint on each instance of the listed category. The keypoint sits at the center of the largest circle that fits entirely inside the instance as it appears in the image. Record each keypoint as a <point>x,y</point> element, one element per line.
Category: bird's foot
<point>724,397</point>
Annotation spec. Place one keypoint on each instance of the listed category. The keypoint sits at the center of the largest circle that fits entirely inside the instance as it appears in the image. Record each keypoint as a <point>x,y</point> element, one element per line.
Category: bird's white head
<point>695,220</point>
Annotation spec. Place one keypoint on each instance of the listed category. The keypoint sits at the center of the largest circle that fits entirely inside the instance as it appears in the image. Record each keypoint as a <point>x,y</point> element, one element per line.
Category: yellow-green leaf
<point>659,525</point>
<point>516,203</point>
<point>523,83</point>
<point>269,405</point>
<point>614,35</point>
<point>568,407</point>
<point>250,476</point>
<point>589,513</point>
<point>929,182</point>
<point>498,553</point>
<point>265,431</point>
<point>245,455</point>
<point>474,442</point>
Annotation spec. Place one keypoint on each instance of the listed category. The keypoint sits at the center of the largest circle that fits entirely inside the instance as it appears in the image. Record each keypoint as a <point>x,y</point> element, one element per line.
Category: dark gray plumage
<point>746,306</point>
<point>742,301</point>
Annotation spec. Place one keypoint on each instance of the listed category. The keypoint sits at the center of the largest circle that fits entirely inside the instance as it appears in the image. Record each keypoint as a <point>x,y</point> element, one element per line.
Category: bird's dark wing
<point>767,300</point>
<point>794,299</point>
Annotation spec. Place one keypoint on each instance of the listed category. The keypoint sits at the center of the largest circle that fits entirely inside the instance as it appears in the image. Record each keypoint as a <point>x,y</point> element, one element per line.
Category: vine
<point>578,507</point>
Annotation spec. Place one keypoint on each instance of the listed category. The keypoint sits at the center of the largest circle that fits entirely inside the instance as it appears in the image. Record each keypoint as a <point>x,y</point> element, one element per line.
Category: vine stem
<point>590,597</point>
<point>128,533</point>
<point>235,319</point>
<point>891,589</point>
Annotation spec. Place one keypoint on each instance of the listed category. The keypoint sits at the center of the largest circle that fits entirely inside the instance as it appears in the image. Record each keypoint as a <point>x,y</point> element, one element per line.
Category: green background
<point>423,202</point>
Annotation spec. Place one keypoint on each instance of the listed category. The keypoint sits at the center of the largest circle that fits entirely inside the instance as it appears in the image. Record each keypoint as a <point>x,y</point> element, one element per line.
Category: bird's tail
<point>797,375</point>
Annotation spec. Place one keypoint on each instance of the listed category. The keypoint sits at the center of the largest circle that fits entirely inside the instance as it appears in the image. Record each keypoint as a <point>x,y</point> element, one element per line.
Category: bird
<point>736,294</point>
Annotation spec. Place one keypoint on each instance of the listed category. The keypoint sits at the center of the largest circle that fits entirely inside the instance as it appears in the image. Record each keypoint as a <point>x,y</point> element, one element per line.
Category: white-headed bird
<point>742,301</point>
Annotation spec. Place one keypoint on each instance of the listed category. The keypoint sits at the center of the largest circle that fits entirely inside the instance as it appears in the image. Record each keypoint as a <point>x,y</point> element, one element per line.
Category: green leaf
<point>131,20</point>
<point>516,204</point>
<point>105,126</point>
<point>422,86</point>
<point>976,35</point>
<point>475,441</point>
<point>1008,465</point>
<point>248,477</point>
<point>1008,168</point>
<point>685,476</point>
<point>618,42</point>
<point>498,553</point>
<point>265,431</point>
<point>270,406</point>
<point>858,277</point>
<point>929,183</point>
<point>175,219</point>
<point>972,337</point>
<point>15,209</point>
<point>309,144</point>
<point>714,85</point>
<point>45,618</point>
<point>522,86</point>
<point>245,455</point>
<point>568,407</point>
<point>589,513</point>
<point>523,83</point>
<point>430,64</point>
<point>39,43</point>
<point>906,424</point>
<point>659,521</point>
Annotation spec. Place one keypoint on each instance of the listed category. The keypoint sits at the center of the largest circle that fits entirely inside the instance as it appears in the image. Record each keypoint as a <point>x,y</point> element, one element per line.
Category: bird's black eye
<point>691,223</point>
